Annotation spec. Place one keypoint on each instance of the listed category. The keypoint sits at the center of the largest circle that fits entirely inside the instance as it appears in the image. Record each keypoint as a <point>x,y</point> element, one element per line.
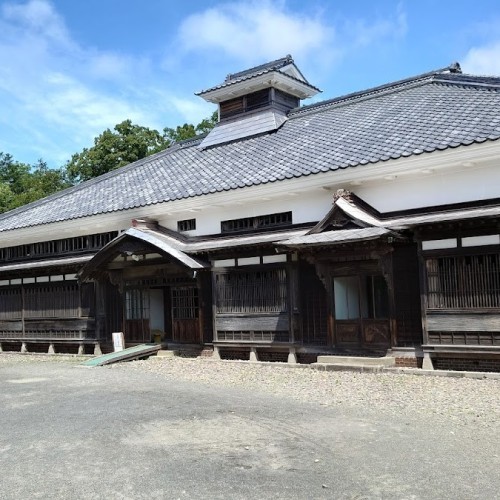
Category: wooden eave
<point>135,241</point>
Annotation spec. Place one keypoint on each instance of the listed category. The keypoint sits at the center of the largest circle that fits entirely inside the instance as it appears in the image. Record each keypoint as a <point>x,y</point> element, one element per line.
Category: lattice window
<point>231,107</point>
<point>57,247</point>
<point>251,291</point>
<point>246,103</point>
<point>184,302</point>
<point>136,304</point>
<point>52,301</point>
<point>257,99</point>
<point>258,222</point>
<point>464,282</point>
<point>186,225</point>
<point>10,303</point>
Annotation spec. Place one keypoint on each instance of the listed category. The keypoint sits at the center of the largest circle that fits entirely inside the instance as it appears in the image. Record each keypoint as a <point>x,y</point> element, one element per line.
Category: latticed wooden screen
<point>10,303</point>
<point>137,304</point>
<point>57,301</point>
<point>464,282</point>
<point>184,302</point>
<point>65,300</point>
<point>251,291</point>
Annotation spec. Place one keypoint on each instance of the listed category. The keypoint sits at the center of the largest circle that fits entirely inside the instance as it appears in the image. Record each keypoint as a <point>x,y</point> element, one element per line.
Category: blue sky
<point>70,69</point>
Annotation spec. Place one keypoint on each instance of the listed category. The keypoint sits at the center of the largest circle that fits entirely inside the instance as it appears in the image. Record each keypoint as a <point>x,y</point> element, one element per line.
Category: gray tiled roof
<point>244,126</point>
<point>263,69</point>
<point>272,66</point>
<point>428,113</point>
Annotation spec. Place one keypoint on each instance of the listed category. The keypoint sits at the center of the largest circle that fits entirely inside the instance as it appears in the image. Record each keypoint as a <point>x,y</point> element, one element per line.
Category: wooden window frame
<point>467,281</point>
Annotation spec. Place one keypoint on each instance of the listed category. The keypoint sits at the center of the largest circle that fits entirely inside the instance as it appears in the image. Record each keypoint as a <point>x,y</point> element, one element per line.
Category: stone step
<point>357,361</point>
<point>164,353</point>
<point>348,367</point>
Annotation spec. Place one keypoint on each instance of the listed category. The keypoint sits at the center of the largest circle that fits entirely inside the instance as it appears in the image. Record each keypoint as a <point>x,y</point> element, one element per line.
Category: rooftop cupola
<point>256,101</point>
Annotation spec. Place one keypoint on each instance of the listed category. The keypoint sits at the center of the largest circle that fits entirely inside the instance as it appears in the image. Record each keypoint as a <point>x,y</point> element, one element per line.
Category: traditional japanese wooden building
<point>365,224</point>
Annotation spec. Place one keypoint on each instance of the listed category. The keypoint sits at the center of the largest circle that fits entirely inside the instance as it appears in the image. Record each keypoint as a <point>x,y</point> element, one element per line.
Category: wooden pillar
<point>294,301</point>
<point>387,272</point>
<point>423,292</point>
<point>22,311</point>
<point>201,302</point>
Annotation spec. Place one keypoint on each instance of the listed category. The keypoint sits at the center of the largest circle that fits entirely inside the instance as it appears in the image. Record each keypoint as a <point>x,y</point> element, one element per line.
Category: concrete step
<point>352,367</point>
<point>357,361</point>
<point>164,353</point>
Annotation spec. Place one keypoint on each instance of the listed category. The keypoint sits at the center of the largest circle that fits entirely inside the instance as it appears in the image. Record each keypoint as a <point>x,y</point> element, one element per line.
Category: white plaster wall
<point>430,189</point>
<point>307,207</point>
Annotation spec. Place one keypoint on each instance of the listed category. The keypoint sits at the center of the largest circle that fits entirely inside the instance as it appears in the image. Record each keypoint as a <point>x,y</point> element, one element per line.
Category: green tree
<point>6,197</point>
<point>127,143</point>
<point>188,131</point>
<point>207,124</point>
<point>21,183</point>
<point>113,149</point>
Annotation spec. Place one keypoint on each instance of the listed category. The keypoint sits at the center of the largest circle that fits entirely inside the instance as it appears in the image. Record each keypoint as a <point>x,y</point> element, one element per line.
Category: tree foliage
<point>21,183</point>
<point>127,143</point>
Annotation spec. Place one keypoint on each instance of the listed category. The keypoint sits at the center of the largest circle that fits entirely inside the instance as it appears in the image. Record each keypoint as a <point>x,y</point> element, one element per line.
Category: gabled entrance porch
<point>160,287</point>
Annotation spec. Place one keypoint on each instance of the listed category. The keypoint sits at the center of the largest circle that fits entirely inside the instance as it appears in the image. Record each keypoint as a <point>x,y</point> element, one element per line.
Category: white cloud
<point>261,30</point>
<point>38,16</point>
<point>364,33</point>
<point>483,60</point>
<point>255,31</point>
<point>54,87</point>
<point>193,110</point>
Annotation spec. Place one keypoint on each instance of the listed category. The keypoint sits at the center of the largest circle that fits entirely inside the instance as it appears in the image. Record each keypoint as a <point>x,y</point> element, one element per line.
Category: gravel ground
<point>198,428</point>
<point>454,401</point>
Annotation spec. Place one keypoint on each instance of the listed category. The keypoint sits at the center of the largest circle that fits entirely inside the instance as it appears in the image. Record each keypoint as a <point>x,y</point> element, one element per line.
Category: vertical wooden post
<point>214,310</point>
<point>330,311</point>
<point>423,291</point>
<point>23,312</point>
<point>293,301</point>
<point>201,319</point>
<point>388,270</point>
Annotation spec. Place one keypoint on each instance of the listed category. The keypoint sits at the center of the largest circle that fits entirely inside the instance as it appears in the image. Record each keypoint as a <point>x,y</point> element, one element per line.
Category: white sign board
<point>118,341</point>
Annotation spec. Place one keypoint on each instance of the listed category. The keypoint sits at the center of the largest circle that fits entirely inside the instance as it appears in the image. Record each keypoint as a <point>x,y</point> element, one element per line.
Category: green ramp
<point>136,352</point>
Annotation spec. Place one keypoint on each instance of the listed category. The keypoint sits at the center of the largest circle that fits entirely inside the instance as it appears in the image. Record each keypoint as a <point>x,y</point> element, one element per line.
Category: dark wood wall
<point>314,307</point>
<point>407,307</point>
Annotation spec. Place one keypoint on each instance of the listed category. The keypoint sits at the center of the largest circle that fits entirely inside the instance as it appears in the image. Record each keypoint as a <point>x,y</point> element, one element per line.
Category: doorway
<point>361,312</point>
<point>185,314</point>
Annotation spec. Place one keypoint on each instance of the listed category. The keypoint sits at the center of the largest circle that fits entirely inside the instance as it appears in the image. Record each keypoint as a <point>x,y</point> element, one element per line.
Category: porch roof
<point>164,245</point>
<point>337,237</point>
<point>21,266</point>
<point>167,245</point>
<point>359,211</point>
<point>195,245</point>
